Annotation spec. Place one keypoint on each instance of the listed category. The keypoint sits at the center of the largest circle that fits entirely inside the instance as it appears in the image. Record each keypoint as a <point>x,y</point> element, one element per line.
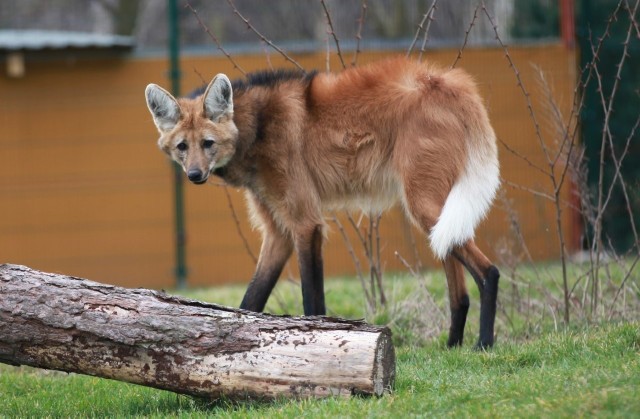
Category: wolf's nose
<point>194,175</point>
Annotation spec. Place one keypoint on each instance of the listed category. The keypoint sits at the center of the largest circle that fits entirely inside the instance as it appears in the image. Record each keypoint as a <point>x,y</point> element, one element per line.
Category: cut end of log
<point>384,370</point>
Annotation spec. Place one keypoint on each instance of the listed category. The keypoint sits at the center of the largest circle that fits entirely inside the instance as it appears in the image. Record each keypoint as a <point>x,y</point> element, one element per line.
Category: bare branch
<point>261,36</point>
<point>327,57</point>
<point>414,246</point>
<point>517,231</point>
<point>579,98</point>
<point>609,136</point>
<point>332,32</point>
<point>237,223</point>
<point>267,55</point>
<point>530,190</point>
<point>405,263</point>
<point>363,15</point>
<point>632,18</point>
<point>617,162</point>
<point>356,227</point>
<point>466,36</point>
<point>520,83</point>
<point>375,260</point>
<point>420,26</point>
<point>597,245</point>
<point>563,130</point>
<point>523,157</point>
<point>622,284</point>
<point>214,39</point>
<point>426,31</point>
<point>199,74</point>
<point>356,261</point>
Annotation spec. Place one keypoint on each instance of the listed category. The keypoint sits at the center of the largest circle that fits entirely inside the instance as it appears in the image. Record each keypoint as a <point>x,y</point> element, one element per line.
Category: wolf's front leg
<point>308,245</point>
<point>274,253</point>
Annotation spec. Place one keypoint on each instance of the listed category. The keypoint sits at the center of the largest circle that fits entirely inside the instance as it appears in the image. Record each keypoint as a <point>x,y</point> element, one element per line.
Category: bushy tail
<point>469,199</point>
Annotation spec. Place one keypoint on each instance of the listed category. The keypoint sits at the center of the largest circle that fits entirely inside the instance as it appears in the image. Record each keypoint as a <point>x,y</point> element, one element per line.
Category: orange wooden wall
<point>85,191</point>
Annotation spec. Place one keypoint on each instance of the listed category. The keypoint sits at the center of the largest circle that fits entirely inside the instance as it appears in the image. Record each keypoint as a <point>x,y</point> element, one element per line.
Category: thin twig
<point>558,119</point>
<point>617,176</point>
<point>369,249</point>
<point>517,231</point>
<point>426,30</point>
<point>356,227</point>
<point>412,242</point>
<point>527,189</point>
<point>332,32</point>
<point>369,252</point>
<point>420,27</point>
<point>520,83</point>
<point>433,308</point>
<point>261,36</point>
<point>466,36</point>
<point>523,157</point>
<point>214,38</point>
<point>199,74</point>
<point>406,264</point>
<point>632,18</point>
<point>622,284</point>
<point>267,56</point>
<point>237,223</point>
<point>327,56</point>
<point>361,20</point>
<point>356,261</point>
<point>377,260</point>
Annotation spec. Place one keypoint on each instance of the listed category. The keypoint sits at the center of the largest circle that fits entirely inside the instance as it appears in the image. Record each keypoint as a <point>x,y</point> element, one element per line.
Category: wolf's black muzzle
<point>196,176</point>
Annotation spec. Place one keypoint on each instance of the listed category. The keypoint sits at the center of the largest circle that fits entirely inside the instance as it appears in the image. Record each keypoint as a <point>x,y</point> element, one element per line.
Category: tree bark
<point>154,339</point>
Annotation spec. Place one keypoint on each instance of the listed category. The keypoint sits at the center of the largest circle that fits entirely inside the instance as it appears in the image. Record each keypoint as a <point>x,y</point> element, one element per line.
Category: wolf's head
<point>199,133</point>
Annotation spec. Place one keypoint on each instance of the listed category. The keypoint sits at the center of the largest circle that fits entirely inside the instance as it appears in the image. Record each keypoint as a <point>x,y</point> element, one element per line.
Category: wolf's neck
<point>249,107</point>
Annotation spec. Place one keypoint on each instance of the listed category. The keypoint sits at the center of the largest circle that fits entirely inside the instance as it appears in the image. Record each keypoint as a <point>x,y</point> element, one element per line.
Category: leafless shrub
<point>418,317</point>
<point>565,161</point>
<point>368,240</point>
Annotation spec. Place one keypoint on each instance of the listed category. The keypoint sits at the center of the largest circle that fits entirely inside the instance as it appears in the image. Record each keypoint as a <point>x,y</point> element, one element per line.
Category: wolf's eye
<point>182,146</point>
<point>207,143</point>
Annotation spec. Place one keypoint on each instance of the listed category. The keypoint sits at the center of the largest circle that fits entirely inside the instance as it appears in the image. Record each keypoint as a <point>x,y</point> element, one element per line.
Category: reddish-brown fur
<point>365,138</point>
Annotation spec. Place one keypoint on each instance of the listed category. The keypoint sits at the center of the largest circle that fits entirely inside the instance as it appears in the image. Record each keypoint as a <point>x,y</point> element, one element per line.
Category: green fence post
<point>174,75</point>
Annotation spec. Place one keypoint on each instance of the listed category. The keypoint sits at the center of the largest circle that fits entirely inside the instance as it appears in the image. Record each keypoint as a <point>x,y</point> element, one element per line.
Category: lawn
<point>585,370</point>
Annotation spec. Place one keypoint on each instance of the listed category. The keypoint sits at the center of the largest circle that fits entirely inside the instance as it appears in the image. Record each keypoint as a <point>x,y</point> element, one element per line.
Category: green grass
<point>583,371</point>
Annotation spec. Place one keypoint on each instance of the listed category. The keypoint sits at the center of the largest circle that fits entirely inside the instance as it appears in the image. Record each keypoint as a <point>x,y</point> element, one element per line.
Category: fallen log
<point>185,346</point>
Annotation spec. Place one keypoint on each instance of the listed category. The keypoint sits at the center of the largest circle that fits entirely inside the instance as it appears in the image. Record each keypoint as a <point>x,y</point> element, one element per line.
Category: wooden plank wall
<point>85,191</point>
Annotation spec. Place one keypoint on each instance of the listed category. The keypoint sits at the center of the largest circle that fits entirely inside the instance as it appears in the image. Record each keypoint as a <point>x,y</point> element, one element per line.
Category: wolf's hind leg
<point>458,299</point>
<point>486,276</point>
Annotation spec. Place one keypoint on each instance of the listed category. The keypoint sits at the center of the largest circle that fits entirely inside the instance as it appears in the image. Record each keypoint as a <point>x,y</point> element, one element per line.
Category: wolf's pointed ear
<point>163,107</point>
<point>218,98</point>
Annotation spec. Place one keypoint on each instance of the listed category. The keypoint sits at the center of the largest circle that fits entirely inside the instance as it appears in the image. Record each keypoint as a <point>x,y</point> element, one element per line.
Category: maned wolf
<point>301,143</point>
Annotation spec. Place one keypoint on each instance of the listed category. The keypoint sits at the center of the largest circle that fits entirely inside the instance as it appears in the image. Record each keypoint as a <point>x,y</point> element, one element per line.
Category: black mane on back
<point>270,78</point>
<point>265,78</point>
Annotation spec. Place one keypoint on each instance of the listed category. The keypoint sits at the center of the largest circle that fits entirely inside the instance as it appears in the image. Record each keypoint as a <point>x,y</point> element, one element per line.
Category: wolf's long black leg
<point>276,249</point>
<point>458,300</point>
<point>308,246</point>
<point>487,277</point>
<point>488,304</point>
